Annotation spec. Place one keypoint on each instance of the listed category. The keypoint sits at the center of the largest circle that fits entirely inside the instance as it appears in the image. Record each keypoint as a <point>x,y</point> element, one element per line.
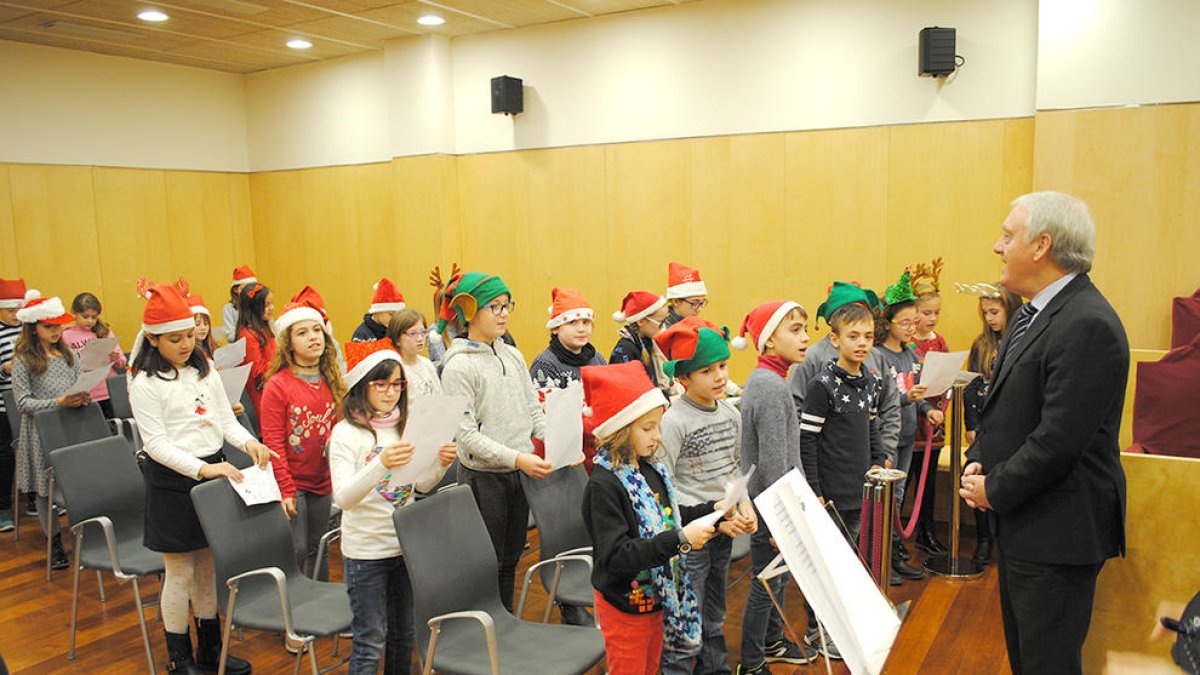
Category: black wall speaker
<point>936,51</point>
<point>507,96</point>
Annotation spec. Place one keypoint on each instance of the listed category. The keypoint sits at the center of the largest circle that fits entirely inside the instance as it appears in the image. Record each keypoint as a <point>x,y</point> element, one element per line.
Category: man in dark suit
<point>1046,463</point>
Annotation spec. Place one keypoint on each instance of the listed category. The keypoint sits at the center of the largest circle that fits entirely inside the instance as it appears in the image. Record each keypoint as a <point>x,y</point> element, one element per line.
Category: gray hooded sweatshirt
<point>503,413</point>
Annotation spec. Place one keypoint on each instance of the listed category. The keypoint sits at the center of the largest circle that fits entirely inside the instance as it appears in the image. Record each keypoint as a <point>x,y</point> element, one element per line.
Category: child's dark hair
<point>87,302</point>
<point>154,364</point>
<point>356,410</point>
<point>851,313</point>
<point>252,304</point>
<point>884,317</point>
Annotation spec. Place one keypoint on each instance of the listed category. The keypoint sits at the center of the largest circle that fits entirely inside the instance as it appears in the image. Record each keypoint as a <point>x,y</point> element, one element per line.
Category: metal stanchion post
<point>884,481</point>
<point>951,565</point>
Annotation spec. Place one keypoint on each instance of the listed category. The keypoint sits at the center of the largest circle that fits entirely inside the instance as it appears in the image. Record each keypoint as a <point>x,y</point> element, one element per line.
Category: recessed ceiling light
<point>153,16</point>
<point>297,43</point>
<point>431,20</point>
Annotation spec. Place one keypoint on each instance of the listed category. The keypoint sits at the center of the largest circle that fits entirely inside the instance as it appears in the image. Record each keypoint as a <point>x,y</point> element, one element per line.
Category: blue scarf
<point>681,612</point>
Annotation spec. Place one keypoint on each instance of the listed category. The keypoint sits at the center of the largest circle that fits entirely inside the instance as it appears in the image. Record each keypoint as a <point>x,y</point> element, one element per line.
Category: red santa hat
<point>243,275</point>
<point>761,323</point>
<point>196,303</point>
<point>684,282</point>
<point>304,306</point>
<point>46,310</point>
<point>167,308</point>
<point>362,357</point>
<point>617,395</point>
<point>386,298</point>
<point>568,305</point>
<point>13,294</point>
<point>638,305</point>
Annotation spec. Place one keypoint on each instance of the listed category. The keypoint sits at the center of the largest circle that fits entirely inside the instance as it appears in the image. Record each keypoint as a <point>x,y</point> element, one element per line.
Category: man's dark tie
<point>1020,325</point>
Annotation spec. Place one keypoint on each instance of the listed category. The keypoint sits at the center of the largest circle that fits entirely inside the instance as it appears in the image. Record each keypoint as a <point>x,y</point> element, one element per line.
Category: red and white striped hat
<point>196,303</point>
<point>617,395</point>
<point>166,308</point>
<point>761,323</point>
<point>386,298</point>
<point>243,275</point>
<point>13,294</point>
<point>638,305</point>
<point>568,305</point>
<point>362,357</point>
<point>684,282</point>
<point>46,310</point>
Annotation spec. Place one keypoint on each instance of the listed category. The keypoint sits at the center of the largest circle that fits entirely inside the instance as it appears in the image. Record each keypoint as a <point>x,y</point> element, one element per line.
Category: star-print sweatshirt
<point>838,442</point>
<point>297,416</point>
<point>360,489</point>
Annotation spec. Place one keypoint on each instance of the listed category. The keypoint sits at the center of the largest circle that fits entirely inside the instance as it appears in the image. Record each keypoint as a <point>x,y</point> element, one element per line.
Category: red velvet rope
<point>877,540</point>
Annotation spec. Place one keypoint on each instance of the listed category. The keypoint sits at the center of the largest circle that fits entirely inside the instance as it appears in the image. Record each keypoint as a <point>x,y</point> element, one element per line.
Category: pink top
<point>78,338</point>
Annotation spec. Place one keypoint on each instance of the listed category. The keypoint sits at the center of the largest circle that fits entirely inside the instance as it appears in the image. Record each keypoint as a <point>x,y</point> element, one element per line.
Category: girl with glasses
<point>408,334</point>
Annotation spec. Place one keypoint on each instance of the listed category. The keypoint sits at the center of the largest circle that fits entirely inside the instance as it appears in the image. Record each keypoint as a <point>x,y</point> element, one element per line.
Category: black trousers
<point>1046,610</point>
<point>501,501</point>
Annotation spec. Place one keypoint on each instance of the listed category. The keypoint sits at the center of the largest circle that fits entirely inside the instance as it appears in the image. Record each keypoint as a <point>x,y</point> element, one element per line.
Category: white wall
<point>59,106</point>
<point>725,66</point>
<point>1117,52</point>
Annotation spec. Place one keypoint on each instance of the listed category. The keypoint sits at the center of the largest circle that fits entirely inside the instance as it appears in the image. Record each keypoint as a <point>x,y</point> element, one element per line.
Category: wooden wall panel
<point>8,233</point>
<point>1138,170</point>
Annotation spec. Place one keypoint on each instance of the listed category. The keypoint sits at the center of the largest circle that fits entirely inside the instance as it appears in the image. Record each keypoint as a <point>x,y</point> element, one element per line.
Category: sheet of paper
<point>235,380</point>
<point>96,353</point>
<point>258,486</point>
<point>432,423</point>
<point>710,519</point>
<point>87,381</point>
<point>856,615</point>
<point>564,425</point>
<point>231,355</point>
<point>940,371</point>
<point>735,489</point>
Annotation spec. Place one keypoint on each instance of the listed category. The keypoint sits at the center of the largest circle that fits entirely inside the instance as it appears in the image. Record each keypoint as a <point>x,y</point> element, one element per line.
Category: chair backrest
<point>11,413</point>
<point>118,395</point>
<point>101,478</point>
<point>557,505</point>
<point>243,537</point>
<point>449,556</point>
<point>60,427</point>
<point>251,414</point>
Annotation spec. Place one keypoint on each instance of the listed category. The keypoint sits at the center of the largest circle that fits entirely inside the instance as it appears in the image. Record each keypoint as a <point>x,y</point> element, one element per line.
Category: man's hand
<point>974,487</point>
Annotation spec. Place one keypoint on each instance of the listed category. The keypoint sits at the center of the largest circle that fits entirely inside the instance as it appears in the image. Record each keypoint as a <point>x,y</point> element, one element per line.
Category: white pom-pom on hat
<point>619,316</point>
<point>587,411</point>
<point>739,342</point>
<point>32,294</point>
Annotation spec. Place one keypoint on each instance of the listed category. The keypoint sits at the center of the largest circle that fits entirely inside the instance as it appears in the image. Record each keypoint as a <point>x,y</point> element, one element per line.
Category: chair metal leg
<point>228,629</point>
<point>336,641</point>
<point>299,659</point>
<point>433,638</point>
<point>141,610</point>
<point>50,520</point>
<point>75,595</point>
<point>100,583</point>
<point>312,656</point>
<point>16,501</point>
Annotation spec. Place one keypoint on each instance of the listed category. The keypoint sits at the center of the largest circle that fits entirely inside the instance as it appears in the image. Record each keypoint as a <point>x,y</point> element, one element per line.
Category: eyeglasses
<point>384,386</point>
<point>414,334</point>
<point>499,308</point>
<point>907,323</point>
<point>697,305</point>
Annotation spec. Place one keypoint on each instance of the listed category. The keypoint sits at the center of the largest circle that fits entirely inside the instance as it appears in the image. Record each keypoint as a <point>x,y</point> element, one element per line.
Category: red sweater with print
<point>296,418</point>
<point>259,358</point>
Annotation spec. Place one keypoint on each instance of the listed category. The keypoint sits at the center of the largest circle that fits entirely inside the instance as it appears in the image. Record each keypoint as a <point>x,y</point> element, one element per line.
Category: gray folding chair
<point>252,550</point>
<point>58,428</point>
<point>118,396</point>
<point>249,418</point>
<point>565,568</point>
<point>14,425</point>
<point>102,482</point>
<point>453,569</point>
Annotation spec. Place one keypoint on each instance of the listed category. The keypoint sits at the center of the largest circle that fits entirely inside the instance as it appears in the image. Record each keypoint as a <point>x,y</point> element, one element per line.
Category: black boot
<point>904,569</point>
<point>926,540</point>
<point>208,649</point>
<point>58,556</point>
<point>179,655</point>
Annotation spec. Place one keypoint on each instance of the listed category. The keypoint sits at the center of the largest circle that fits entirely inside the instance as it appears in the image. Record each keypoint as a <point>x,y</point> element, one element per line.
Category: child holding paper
<point>299,406</point>
<point>770,442</point>
<point>363,448</point>
<point>639,531</point>
<point>256,311</point>
<point>503,416</point>
<point>926,286</point>
<point>183,416</point>
<point>43,368</point>
<point>88,327</point>
<point>700,437</point>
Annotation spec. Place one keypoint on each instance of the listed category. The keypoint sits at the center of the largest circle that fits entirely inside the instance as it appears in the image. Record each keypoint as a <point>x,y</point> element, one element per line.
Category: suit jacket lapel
<point>1040,323</point>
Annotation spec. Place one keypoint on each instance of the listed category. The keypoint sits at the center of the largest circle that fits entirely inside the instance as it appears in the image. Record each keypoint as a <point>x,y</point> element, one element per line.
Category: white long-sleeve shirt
<point>184,419</point>
<point>360,489</point>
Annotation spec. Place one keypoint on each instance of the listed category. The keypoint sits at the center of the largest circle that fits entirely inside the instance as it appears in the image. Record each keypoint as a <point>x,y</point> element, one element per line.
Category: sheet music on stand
<point>857,616</point>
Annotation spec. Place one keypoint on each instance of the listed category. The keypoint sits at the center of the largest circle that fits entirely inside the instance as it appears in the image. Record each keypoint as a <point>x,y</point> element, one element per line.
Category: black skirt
<point>171,522</point>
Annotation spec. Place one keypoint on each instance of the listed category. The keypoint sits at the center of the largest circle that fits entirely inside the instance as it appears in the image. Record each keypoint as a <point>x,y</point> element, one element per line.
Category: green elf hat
<point>901,291</point>
<point>692,344</point>
<point>463,294</point>
<point>843,293</point>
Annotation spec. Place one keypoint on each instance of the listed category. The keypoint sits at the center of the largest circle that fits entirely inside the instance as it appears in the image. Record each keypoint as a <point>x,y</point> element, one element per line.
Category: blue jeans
<point>708,570</point>
<point>761,622</point>
<point>382,602</point>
